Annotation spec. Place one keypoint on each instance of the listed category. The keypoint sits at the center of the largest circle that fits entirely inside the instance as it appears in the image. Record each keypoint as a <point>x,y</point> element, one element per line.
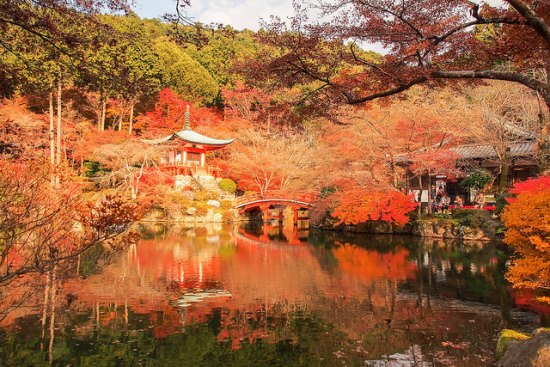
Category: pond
<point>263,296</point>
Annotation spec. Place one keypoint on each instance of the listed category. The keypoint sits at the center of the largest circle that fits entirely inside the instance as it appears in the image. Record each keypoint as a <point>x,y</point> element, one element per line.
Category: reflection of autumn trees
<point>322,299</point>
<point>369,266</point>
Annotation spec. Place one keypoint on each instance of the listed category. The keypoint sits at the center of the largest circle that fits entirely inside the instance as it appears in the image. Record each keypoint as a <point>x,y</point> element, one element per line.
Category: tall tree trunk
<point>430,211</point>
<point>46,303</point>
<point>53,290</point>
<point>420,197</point>
<point>58,137</point>
<point>503,174</point>
<point>131,120</point>
<point>543,136</point>
<point>52,136</point>
<point>103,112</point>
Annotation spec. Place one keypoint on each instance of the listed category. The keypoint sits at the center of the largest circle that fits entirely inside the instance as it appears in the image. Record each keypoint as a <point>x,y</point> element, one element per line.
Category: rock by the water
<point>531,352</point>
<point>213,203</point>
<point>217,218</point>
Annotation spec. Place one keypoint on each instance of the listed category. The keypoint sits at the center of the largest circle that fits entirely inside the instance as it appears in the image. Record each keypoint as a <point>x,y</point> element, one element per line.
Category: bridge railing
<point>307,197</point>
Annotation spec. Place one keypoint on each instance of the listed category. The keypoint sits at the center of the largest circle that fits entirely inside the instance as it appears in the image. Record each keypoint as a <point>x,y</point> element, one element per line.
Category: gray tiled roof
<point>521,149</point>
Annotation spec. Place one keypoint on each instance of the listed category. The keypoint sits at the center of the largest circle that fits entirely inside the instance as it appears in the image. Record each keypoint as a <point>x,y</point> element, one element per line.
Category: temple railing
<point>191,169</point>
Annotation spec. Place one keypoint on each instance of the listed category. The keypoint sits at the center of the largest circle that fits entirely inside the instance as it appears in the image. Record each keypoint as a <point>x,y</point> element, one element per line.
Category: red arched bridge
<point>268,200</point>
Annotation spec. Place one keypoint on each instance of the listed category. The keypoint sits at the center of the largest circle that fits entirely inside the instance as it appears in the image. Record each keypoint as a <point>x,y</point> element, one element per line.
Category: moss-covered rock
<point>504,339</point>
<point>519,350</point>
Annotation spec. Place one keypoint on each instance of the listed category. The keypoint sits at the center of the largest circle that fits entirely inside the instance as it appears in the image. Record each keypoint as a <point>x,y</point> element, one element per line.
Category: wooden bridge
<point>295,200</point>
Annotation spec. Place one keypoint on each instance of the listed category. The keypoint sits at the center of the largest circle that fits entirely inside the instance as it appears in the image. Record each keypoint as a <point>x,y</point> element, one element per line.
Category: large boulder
<point>521,351</point>
<point>154,215</point>
<point>213,203</point>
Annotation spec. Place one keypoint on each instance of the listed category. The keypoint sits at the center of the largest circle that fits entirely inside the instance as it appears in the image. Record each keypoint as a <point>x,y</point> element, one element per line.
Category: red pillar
<point>265,213</point>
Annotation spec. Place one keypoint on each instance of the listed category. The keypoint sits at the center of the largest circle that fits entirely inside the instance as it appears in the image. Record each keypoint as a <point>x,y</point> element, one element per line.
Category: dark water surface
<point>230,296</point>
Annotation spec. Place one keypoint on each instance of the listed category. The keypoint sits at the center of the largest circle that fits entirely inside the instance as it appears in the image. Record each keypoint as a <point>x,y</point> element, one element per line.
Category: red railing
<point>274,196</point>
<point>192,170</point>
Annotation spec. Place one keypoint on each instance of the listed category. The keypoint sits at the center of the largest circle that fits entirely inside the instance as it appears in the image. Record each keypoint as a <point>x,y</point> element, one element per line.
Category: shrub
<point>361,205</point>
<point>327,191</point>
<point>202,209</point>
<point>501,202</point>
<point>227,216</point>
<point>228,185</point>
<point>477,179</point>
<point>471,218</point>
<point>90,168</point>
<point>204,195</point>
<point>226,204</point>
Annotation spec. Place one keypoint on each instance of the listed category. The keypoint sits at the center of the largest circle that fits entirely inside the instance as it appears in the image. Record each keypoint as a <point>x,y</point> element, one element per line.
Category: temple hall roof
<point>519,149</point>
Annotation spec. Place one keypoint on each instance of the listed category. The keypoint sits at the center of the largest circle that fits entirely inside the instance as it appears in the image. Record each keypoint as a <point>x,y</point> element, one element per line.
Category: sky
<point>239,14</point>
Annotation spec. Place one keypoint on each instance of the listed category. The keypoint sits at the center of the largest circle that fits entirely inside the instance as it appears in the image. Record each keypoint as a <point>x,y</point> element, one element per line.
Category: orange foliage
<point>527,219</point>
<point>361,205</point>
<point>169,115</point>
<point>93,140</point>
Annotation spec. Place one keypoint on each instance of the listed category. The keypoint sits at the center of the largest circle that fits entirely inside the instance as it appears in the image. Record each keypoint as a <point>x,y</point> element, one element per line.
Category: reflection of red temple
<point>180,270</point>
<point>188,150</point>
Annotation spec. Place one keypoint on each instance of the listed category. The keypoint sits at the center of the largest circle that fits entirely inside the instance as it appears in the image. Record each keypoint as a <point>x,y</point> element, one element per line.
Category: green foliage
<point>501,202</point>
<point>228,185</point>
<point>90,168</point>
<point>221,50</point>
<point>470,217</point>
<point>477,179</point>
<point>327,191</point>
<point>184,75</point>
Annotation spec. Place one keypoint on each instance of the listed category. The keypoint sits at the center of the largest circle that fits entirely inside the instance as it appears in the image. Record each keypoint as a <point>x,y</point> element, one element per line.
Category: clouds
<point>238,13</point>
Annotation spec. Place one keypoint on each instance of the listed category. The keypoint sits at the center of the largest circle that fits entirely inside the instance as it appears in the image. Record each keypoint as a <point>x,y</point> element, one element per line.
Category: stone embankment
<point>483,228</point>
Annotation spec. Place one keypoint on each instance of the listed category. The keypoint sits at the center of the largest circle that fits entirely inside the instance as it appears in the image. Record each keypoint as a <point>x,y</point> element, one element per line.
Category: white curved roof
<point>192,137</point>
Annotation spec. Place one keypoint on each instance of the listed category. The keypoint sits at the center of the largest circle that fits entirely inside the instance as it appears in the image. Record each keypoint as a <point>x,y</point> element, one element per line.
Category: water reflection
<point>253,295</point>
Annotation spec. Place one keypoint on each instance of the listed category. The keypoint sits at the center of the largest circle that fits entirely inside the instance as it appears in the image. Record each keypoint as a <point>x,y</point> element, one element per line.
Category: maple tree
<point>507,116</point>
<point>361,205</point>
<point>267,161</point>
<point>427,42</point>
<point>527,221</point>
<point>127,163</point>
<point>43,227</point>
<point>168,115</point>
<point>246,103</point>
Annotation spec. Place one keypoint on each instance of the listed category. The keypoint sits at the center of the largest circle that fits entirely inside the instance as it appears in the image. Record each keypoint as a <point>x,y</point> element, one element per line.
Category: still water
<point>258,296</point>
